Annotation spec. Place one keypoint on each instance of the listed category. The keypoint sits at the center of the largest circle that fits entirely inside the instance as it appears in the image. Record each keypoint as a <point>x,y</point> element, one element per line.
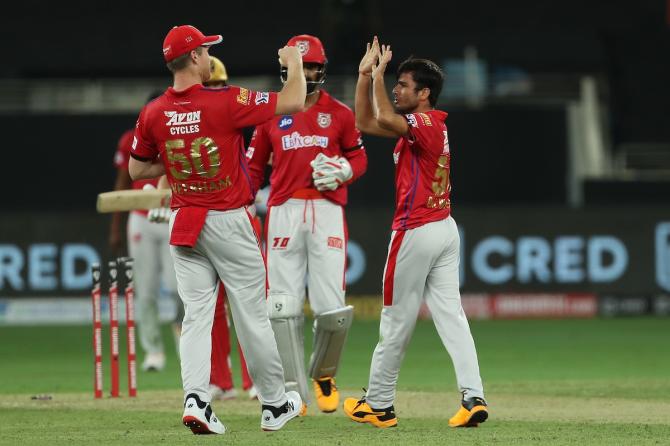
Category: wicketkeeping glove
<point>329,173</point>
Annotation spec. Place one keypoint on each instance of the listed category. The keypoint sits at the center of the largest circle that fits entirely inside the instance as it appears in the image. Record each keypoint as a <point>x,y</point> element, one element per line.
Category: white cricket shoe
<point>274,418</point>
<point>217,393</point>
<point>153,362</point>
<point>200,418</point>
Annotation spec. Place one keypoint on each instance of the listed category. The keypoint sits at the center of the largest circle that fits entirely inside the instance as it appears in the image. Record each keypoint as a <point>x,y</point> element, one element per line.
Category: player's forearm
<point>365,119</point>
<point>163,183</point>
<point>142,170</point>
<point>291,98</point>
<point>387,118</point>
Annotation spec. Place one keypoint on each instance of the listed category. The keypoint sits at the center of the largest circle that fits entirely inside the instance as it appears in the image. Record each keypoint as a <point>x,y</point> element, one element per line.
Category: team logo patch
<point>303,46</point>
<point>396,157</point>
<point>243,96</point>
<point>324,120</point>
<point>335,242</point>
<point>262,97</point>
<point>166,50</point>
<point>286,122</point>
<point>445,149</point>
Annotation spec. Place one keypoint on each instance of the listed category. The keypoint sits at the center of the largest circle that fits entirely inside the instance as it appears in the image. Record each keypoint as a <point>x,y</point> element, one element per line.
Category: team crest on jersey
<point>303,46</point>
<point>243,96</point>
<point>425,119</point>
<point>411,120</point>
<point>250,152</point>
<point>324,120</point>
<point>285,122</point>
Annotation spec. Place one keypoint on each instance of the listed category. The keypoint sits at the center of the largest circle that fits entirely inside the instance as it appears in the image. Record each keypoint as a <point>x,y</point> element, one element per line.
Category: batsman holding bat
<point>194,135</point>
<point>315,153</point>
<point>423,255</point>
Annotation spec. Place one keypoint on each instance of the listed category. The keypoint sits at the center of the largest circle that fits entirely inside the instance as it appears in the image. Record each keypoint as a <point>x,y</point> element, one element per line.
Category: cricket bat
<point>130,200</point>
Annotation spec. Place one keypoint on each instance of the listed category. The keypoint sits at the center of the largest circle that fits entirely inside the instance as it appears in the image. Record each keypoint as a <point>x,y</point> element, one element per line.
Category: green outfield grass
<point>553,382</point>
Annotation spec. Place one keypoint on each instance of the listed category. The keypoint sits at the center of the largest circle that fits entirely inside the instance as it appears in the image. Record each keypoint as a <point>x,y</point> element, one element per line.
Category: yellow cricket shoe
<point>361,412</point>
<point>472,412</point>
<point>303,410</point>
<point>327,396</point>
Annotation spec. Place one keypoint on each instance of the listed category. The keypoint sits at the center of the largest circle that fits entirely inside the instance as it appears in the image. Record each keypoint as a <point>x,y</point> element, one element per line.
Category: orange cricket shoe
<point>327,396</point>
<point>361,412</point>
<point>472,412</point>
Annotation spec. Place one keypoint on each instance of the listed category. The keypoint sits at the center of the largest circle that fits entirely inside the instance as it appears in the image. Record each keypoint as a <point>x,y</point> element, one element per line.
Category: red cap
<point>185,38</point>
<point>310,48</point>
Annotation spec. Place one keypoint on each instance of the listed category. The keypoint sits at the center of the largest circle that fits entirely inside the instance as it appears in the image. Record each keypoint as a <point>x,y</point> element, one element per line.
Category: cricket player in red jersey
<point>194,135</point>
<point>315,153</point>
<point>148,245</point>
<point>423,255</point>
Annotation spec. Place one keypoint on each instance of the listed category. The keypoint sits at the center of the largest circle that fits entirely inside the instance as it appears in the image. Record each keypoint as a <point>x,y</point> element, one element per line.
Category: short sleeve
<point>122,154</point>
<point>423,131</point>
<point>258,155</point>
<point>249,108</point>
<point>142,146</point>
<point>351,138</point>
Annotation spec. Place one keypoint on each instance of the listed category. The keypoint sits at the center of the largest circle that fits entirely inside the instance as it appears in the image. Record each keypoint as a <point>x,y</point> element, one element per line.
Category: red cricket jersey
<point>422,171</point>
<point>121,158</point>
<point>328,126</point>
<point>198,134</point>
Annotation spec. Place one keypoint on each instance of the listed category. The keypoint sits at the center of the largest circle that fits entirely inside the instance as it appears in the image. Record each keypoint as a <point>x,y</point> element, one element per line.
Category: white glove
<point>157,215</point>
<point>330,172</point>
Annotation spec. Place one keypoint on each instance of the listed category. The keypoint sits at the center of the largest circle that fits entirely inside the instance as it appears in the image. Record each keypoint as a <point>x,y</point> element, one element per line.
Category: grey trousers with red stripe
<point>422,264</point>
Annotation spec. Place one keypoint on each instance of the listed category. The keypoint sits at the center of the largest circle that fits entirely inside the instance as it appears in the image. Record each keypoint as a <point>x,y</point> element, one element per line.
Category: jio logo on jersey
<point>285,122</point>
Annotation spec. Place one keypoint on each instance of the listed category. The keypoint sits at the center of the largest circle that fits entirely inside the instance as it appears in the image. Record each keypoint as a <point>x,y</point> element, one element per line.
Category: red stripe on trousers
<point>389,277</point>
<point>346,240</point>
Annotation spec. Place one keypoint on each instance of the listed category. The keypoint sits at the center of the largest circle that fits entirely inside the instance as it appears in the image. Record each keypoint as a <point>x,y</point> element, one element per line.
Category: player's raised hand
<point>383,60</point>
<point>289,55</point>
<point>370,57</point>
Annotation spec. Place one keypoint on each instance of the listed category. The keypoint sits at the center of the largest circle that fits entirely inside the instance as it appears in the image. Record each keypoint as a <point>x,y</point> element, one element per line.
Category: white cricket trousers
<point>227,249</point>
<point>422,263</point>
<point>308,238</point>
<point>148,245</point>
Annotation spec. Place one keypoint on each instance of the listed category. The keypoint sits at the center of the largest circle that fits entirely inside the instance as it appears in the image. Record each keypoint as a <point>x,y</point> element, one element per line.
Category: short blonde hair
<point>181,62</point>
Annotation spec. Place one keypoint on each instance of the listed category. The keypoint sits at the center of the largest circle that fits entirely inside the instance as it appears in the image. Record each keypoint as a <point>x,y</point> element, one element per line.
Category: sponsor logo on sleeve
<point>324,120</point>
<point>446,142</point>
<point>396,157</point>
<point>262,97</point>
<point>411,120</point>
<point>250,152</point>
<point>243,96</point>
<point>286,122</point>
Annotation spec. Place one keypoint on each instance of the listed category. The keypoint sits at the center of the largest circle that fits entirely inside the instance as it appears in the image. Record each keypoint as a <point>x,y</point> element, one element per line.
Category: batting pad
<point>288,321</point>
<point>330,334</point>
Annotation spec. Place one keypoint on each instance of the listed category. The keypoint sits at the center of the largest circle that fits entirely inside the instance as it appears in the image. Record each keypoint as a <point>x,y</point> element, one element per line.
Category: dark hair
<point>426,74</point>
<point>181,62</point>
